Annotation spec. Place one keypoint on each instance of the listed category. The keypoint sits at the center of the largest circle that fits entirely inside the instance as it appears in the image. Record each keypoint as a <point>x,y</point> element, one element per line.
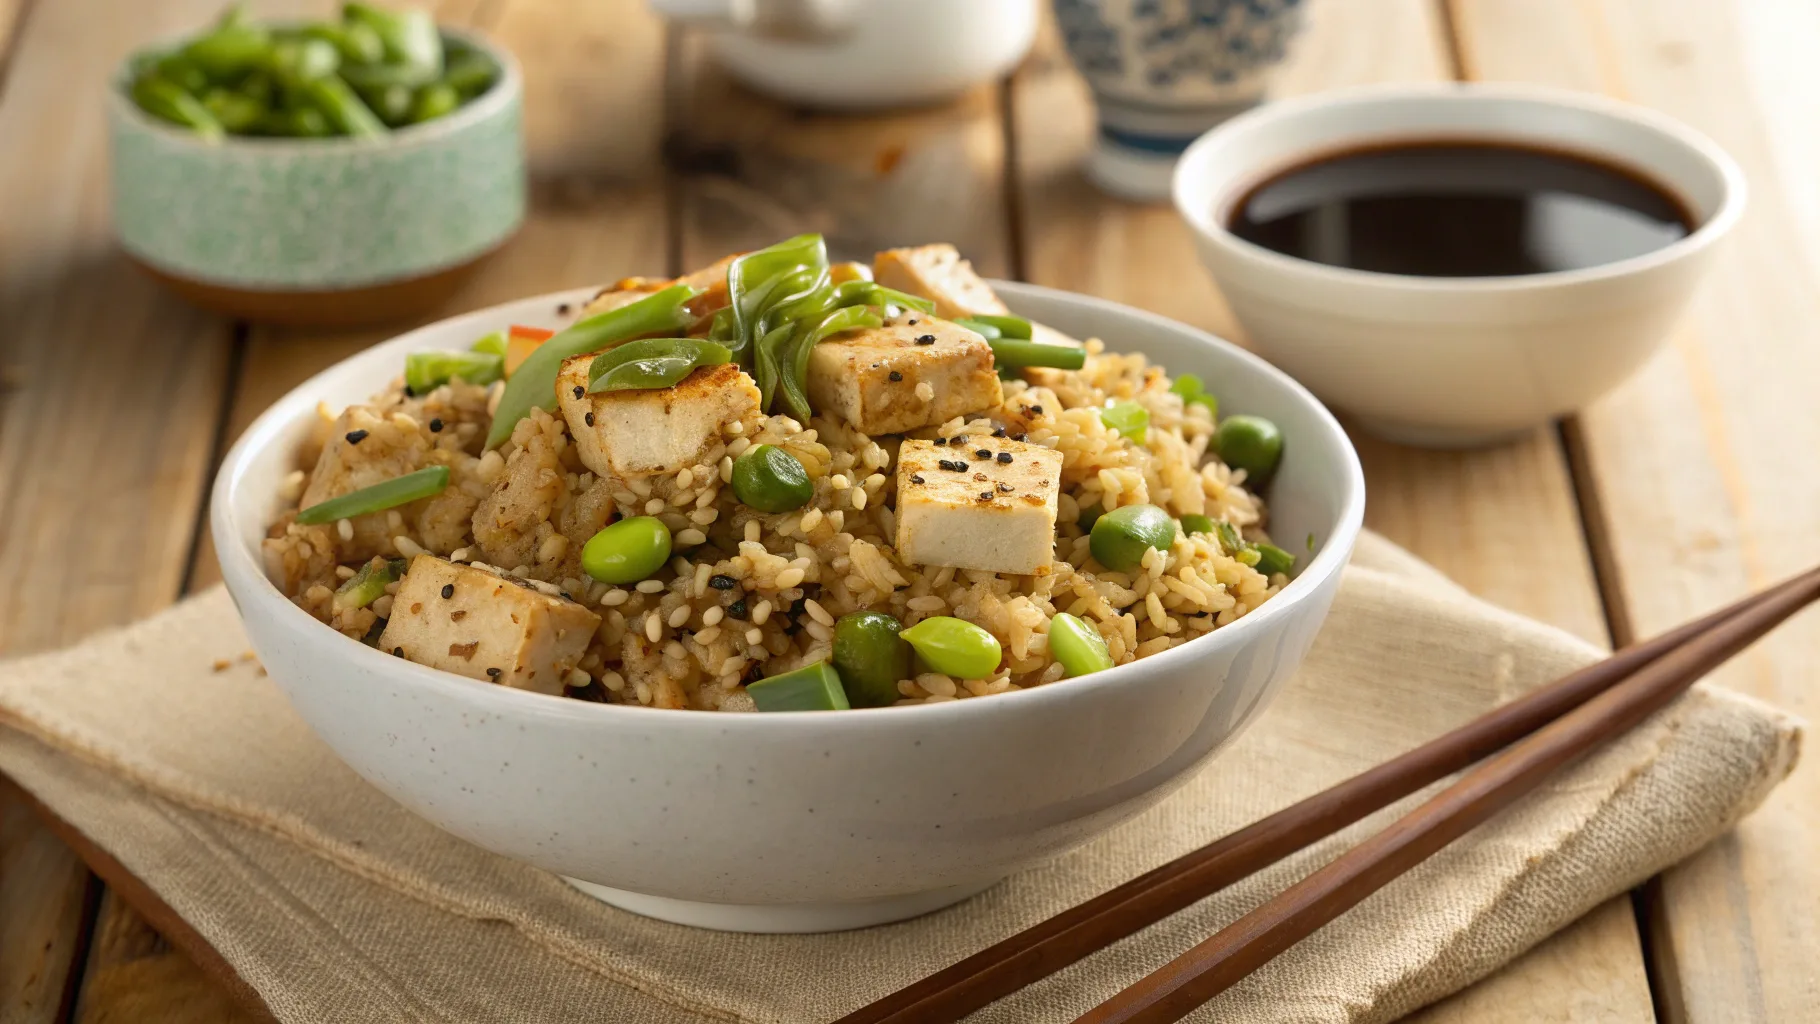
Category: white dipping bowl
<point>1455,362</point>
<point>801,821</point>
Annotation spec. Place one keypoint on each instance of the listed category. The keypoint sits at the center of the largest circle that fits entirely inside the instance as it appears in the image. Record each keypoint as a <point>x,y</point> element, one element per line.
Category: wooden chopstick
<point>1217,963</point>
<point>1052,944</point>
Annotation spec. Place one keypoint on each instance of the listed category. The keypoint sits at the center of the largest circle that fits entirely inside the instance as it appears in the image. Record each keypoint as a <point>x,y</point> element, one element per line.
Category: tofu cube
<point>631,434</point>
<point>871,378</point>
<point>937,272</point>
<point>488,627</point>
<point>958,507</point>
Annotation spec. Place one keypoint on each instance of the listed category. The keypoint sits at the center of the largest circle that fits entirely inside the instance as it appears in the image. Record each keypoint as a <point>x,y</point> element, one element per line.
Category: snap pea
<point>409,38</point>
<point>239,114</point>
<point>400,490</point>
<point>426,371</point>
<point>814,687</point>
<point>469,74</point>
<point>1006,326</point>
<point>794,380</point>
<point>652,363</point>
<point>180,71</point>
<point>344,108</point>
<point>1122,536</point>
<point>433,101</point>
<point>355,41</point>
<point>533,385</point>
<point>1010,353</point>
<point>1130,419</point>
<point>301,122</point>
<point>232,49</point>
<point>748,274</point>
<point>391,102</point>
<point>1077,646</point>
<point>1251,443</point>
<point>369,583</point>
<point>1273,560</point>
<point>1193,392</point>
<point>1192,524</point>
<point>955,647</point>
<point>627,551</point>
<point>770,479</point>
<point>296,61</point>
<point>871,657</point>
<point>168,100</point>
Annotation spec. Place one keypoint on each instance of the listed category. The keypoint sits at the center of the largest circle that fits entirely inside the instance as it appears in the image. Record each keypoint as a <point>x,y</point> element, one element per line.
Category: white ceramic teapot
<point>861,54</point>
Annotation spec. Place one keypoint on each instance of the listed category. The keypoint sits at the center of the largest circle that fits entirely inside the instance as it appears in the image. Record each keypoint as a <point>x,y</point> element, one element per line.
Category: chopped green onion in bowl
<point>810,688</point>
<point>424,372</point>
<point>369,583</point>
<point>400,490</point>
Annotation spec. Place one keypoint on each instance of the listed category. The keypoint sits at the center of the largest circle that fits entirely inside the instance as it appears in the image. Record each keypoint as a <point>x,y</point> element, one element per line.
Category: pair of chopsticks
<point>1536,734</point>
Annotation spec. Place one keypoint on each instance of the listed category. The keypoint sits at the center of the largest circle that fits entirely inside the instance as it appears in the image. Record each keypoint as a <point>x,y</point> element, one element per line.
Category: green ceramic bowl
<point>337,230</point>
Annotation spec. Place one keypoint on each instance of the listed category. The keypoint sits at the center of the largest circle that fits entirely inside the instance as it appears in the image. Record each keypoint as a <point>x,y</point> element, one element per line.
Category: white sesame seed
<point>552,547</point>
<point>344,572</point>
<point>691,537</point>
<point>685,478</point>
<point>755,636</point>
<point>344,529</point>
<point>753,531</point>
<point>761,613</point>
<point>650,586</point>
<point>839,482</point>
<point>680,615</point>
<point>708,635</point>
<point>577,678</point>
<point>789,578</point>
<point>614,597</point>
<point>712,616</point>
<point>654,628</point>
<point>406,546</point>
<point>818,613</point>
<point>613,681</point>
<point>654,506</point>
<point>704,516</point>
<point>736,428</point>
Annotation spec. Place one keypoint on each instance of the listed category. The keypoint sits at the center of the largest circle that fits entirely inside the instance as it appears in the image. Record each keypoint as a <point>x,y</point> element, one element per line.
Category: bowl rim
<point>1204,219</point>
<point>504,94</point>
<point>247,581</point>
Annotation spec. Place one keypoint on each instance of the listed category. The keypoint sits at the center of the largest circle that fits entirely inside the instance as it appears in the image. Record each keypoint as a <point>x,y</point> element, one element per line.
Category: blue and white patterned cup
<point>334,230</point>
<point>1165,71</point>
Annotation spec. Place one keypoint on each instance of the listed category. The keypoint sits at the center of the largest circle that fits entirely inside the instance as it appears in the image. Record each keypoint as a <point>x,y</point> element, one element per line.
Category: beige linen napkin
<point>337,905</point>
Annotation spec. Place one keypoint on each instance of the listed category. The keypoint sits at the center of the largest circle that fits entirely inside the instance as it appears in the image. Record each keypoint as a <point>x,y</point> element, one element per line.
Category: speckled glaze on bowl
<point>798,821</point>
<point>317,217</point>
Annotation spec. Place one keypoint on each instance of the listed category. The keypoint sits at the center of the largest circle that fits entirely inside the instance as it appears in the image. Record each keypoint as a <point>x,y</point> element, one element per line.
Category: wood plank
<point>1502,522</point>
<point>1701,461</point>
<point>594,81</point>
<point>107,420</point>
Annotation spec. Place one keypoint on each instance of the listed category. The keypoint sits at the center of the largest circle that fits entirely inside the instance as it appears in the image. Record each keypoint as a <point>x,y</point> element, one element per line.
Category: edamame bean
<point>1077,646</point>
<point>1251,443</point>
<point>954,647</point>
<point>627,551</point>
<point>871,657</point>
<point>1121,536</point>
<point>771,480</point>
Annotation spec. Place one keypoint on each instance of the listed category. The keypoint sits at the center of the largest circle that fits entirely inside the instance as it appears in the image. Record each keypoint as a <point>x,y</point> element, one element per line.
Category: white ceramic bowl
<point>796,821</point>
<point>1455,361</point>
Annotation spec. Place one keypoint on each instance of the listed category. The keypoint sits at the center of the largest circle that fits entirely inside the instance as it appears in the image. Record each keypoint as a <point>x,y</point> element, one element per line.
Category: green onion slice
<point>366,586</point>
<point>810,688</point>
<point>1011,353</point>
<point>1130,419</point>
<point>494,344</point>
<point>401,490</point>
<point>534,385</point>
<point>1273,560</point>
<point>653,363</point>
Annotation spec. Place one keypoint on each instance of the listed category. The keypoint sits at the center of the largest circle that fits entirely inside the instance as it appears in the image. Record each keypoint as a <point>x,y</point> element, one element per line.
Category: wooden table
<point>1694,482</point>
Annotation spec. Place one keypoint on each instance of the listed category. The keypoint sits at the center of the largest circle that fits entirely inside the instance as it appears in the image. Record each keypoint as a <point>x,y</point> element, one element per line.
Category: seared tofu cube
<point>874,378</point>
<point>478,624</point>
<point>631,434</point>
<point>978,502</point>
<point>362,449</point>
<point>937,272</point>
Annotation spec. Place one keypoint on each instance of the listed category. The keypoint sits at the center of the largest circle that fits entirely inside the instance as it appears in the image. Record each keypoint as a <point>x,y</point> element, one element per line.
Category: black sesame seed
<point>448,590</point>
<point>983,453</point>
<point>721,581</point>
<point>1037,409</point>
<point>1020,437</point>
<point>925,339</point>
<point>1005,457</point>
<point>397,652</point>
<point>588,419</point>
<point>998,432</point>
<point>566,595</point>
<point>1005,488</point>
<point>737,610</point>
<point>916,478</point>
<point>493,673</point>
<point>913,321</point>
<point>981,477</point>
<point>942,441</point>
<point>895,376</point>
<point>436,426</point>
<point>958,439</point>
<point>985,495</point>
<point>562,309</point>
<point>580,391</point>
<point>356,436</point>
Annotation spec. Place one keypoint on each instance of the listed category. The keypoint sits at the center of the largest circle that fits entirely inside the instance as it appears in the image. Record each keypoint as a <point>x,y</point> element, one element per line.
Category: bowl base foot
<point>783,918</point>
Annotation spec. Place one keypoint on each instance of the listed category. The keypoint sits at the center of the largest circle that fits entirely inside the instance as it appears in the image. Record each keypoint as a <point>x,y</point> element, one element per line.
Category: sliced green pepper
<point>401,490</point>
<point>797,369</point>
<point>652,363</point>
<point>748,274</point>
<point>1193,392</point>
<point>810,688</point>
<point>533,385</point>
<point>426,371</point>
<point>1273,560</point>
<point>165,99</point>
<point>368,585</point>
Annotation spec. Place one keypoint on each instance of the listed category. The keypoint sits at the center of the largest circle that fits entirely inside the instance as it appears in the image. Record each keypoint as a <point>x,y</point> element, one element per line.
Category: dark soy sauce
<point>1460,209</point>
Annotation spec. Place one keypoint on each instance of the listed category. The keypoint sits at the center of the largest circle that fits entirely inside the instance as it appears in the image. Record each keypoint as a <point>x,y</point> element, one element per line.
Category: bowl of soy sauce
<point>1453,265</point>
